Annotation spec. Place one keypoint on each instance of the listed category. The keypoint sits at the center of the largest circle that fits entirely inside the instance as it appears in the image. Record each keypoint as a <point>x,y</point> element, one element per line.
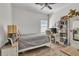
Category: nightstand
<point>9,50</point>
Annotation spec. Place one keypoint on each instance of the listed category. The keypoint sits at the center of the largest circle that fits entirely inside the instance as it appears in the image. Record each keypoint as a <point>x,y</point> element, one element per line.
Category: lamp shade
<point>12,29</point>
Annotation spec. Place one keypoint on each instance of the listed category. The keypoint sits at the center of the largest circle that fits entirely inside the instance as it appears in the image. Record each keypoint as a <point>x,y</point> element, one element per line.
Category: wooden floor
<point>45,51</point>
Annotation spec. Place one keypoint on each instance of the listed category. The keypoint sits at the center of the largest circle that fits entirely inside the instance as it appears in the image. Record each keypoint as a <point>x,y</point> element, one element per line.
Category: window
<point>44,26</point>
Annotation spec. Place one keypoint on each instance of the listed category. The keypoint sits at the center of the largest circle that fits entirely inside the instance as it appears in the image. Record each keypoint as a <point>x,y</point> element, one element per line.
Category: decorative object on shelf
<point>66,41</point>
<point>71,14</point>
<point>65,17</point>
<point>77,13</point>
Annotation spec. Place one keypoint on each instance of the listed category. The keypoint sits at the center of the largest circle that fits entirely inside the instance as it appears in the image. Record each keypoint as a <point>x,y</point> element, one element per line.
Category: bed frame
<point>26,49</point>
<point>48,44</point>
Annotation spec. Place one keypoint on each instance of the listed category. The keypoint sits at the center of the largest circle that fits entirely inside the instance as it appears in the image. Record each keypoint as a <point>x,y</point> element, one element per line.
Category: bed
<point>32,41</point>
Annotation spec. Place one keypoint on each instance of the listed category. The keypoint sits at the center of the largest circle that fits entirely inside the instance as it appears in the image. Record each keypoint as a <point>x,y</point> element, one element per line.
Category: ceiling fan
<point>45,5</point>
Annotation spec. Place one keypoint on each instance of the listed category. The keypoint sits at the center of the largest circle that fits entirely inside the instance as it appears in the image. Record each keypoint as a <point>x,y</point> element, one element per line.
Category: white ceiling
<point>37,8</point>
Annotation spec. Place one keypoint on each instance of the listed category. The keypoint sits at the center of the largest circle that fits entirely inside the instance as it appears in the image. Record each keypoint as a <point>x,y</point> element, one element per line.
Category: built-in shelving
<point>63,32</point>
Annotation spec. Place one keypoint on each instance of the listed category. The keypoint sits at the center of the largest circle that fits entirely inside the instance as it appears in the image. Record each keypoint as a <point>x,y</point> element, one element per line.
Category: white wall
<point>27,21</point>
<point>62,12</point>
<point>5,19</point>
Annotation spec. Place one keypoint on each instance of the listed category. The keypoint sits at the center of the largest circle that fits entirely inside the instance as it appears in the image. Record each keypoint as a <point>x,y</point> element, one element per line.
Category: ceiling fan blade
<point>49,7</point>
<point>39,3</point>
<point>51,3</point>
<point>42,7</point>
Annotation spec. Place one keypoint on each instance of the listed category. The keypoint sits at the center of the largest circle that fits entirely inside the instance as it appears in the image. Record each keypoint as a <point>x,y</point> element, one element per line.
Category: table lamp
<point>12,31</point>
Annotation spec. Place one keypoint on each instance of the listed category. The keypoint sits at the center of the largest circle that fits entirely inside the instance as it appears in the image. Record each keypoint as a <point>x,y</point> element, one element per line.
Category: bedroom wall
<point>27,21</point>
<point>57,15</point>
<point>5,19</point>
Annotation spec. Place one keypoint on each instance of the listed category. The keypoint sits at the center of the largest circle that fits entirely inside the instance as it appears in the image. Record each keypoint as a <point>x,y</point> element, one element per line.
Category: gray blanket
<point>27,41</point>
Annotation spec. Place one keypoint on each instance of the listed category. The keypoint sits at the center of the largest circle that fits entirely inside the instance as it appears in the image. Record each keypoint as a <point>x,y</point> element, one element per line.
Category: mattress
<point>27,41</point>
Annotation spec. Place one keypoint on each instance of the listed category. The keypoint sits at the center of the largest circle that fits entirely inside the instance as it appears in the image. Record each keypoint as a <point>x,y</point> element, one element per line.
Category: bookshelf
<point>63,26</point>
